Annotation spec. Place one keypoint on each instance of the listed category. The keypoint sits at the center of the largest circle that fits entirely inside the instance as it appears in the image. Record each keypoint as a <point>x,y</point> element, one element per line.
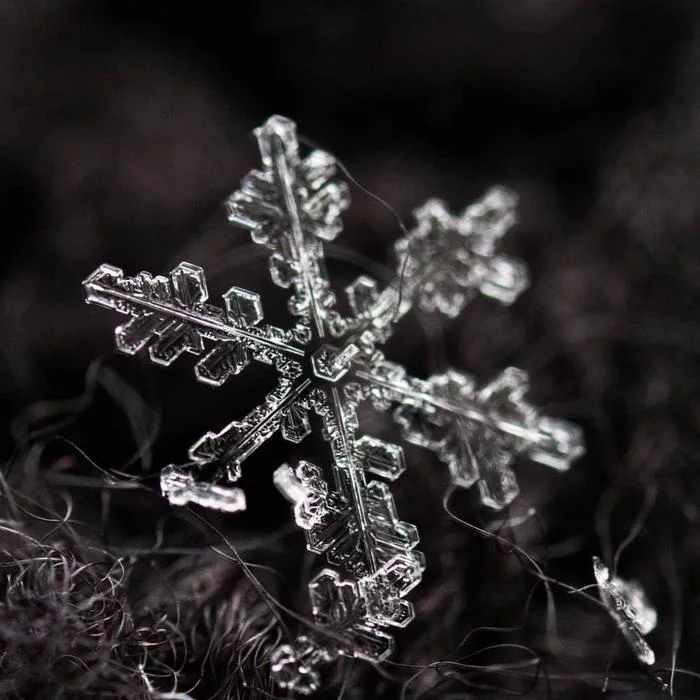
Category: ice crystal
<point>328,363</point>
<point>628,605</point>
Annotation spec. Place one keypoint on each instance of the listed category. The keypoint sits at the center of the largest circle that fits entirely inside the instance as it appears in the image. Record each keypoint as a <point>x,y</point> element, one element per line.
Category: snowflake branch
<point>478,433</point>
<point>441,265</point>
<point>342,446</point>
<point>298,247</point>
<point>238,440</point>
<point>292,206</point>
<point>174,310</point>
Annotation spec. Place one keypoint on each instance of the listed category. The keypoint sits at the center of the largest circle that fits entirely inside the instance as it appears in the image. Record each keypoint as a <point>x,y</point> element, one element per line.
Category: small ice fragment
<point>629,606</point>
<point>180,488</point>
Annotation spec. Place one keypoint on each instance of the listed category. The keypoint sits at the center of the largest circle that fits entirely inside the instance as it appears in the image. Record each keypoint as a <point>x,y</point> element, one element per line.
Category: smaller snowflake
<point>628,605</point>
<point>327,364</point>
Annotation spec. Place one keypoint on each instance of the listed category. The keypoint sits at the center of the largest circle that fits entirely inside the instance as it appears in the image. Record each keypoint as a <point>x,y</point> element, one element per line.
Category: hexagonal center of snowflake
<point>330,363</point>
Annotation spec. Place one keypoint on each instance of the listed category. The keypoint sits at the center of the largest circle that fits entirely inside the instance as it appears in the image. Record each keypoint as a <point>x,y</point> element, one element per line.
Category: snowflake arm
<point>284,408</point>
<point>292,206</point>
<point>340,423</point>
<point>371,533</point>
<point>170,314</point>
<point>478,433</point>
<point>351,618</point>
<point>355,524</point>
<point>443,263</point>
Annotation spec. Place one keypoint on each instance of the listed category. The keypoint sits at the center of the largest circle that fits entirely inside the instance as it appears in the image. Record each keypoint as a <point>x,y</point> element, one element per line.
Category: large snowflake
<point>328,363</point>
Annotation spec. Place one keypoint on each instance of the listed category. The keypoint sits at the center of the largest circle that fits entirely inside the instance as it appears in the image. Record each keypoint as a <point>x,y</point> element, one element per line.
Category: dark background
<point>122,126</point>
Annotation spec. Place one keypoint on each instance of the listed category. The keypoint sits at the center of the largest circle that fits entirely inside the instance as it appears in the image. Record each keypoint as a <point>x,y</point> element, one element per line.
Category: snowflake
<point>328,363</point>
<point>628,605</point>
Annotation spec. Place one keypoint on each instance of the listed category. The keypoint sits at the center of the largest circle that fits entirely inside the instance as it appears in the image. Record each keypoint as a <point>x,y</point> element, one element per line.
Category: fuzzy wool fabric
<point>124,124</point>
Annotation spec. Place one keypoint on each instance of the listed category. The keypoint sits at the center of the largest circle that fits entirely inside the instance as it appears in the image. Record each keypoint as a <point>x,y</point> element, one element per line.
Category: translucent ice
<point>326,364</point>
